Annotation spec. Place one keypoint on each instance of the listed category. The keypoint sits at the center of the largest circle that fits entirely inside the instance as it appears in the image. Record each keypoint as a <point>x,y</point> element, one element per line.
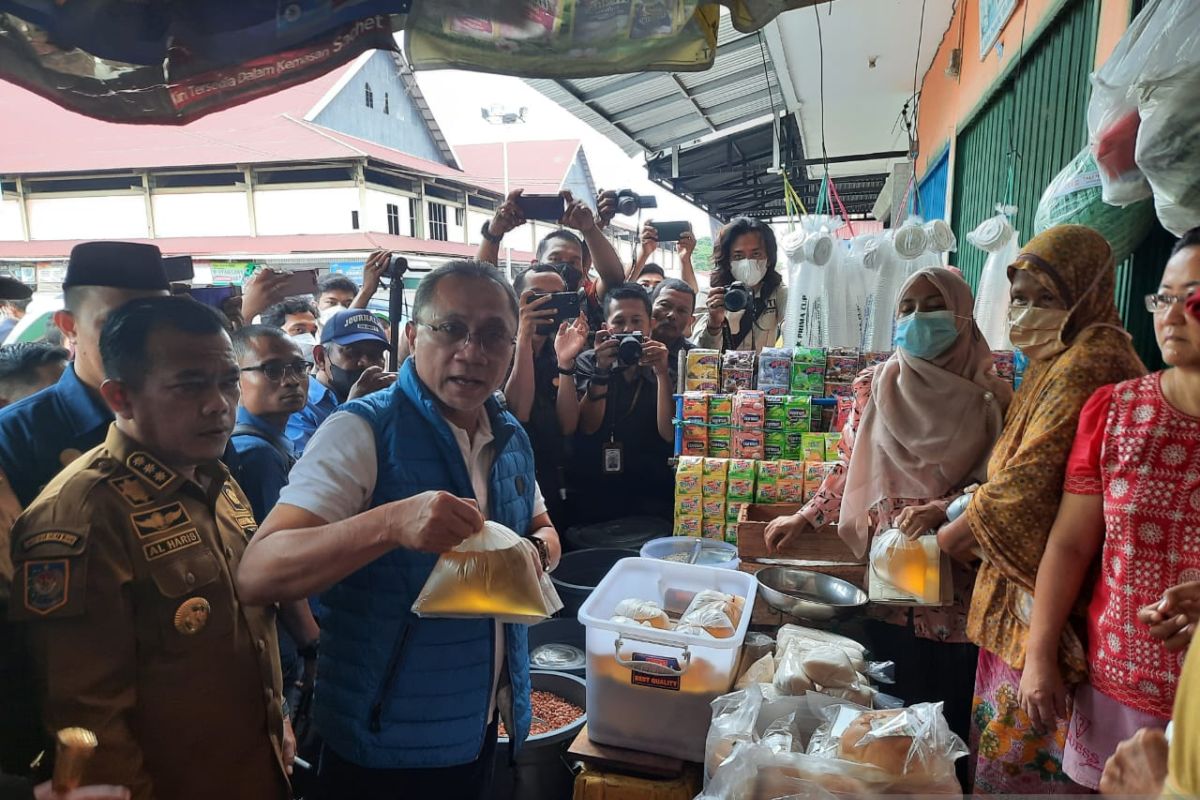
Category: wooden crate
<point>824,544</point>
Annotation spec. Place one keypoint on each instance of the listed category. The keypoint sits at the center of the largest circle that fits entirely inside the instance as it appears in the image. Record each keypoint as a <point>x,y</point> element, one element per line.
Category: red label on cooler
<point>656,680</point>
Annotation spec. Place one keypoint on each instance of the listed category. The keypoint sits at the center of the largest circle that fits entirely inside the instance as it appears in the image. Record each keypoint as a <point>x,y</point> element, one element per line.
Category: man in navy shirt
<point>350,361</point>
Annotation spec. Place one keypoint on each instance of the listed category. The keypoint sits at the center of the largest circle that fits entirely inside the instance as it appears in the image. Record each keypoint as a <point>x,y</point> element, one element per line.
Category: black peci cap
<point>13,289</point>
<point>121,265</point>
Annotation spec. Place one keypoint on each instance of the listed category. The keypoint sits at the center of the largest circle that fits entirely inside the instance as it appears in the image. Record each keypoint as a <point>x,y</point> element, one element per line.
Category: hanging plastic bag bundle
<point>1168,145</point>
<point>1074,198</point>
<point>492,573</point>
<point>885,276</point>
<point>997,237</point>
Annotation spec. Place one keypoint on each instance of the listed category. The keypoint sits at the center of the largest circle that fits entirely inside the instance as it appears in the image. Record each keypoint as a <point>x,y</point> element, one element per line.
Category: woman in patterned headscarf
<point>1064,319</point>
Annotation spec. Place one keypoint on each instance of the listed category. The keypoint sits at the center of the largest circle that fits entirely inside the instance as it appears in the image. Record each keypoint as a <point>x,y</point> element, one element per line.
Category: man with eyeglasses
<point>350,361</point>
<point>409,706</point>
<point>274,383</point>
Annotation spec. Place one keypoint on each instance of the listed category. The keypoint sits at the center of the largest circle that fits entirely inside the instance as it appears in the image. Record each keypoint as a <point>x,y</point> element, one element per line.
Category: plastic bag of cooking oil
<point>907,571</point>
<point>493,573</point>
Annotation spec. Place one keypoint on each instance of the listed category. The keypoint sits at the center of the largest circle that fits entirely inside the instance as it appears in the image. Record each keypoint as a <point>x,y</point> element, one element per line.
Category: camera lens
<point>736,298</point>
<point>629,352</point>
<point>627,204</point>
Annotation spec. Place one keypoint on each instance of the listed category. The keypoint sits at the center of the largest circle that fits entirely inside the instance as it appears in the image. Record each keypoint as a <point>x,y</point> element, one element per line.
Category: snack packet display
<point>793,446</point>
<point>688,505</point>
<point>842,364</point>
<point>741,480</point>
<point>713,508</point>
<point>814,476</point>
<point>775,370</point>
<point>768,482</point>
<point>720,421</point>
<point>733,508</point>
<point>774,445</point>
<point>798,414</point>
<point>737,370</point>
<point>720,409</point>
<point>489,574</point>
<point>715,481</point>
<point>749,410</point>
<point>808,371</point>
<point>713,529</point>
<point>791,482</point>
<point>775,419</point>
<point>689,476</point>
<point>703,370</point>
<point>832,440</point>
<point>720,442</point>
<point>749,445</point>
<point>689,525</point>
<point>814,447</point>
<point>694,413</point>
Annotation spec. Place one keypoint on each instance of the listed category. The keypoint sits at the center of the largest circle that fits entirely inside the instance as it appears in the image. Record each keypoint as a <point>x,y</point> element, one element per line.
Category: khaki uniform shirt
<point>124,571</point>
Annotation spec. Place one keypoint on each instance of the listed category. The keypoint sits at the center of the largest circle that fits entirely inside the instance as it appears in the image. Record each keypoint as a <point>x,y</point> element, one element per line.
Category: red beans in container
<point>550,712</point>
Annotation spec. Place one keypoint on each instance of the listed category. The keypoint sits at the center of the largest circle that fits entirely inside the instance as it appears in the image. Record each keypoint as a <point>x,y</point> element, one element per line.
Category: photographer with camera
<point>648,275</point>
<point>564,247</point>
<point>540,391</point>
<point>626,433</point>
<point>747,301</point>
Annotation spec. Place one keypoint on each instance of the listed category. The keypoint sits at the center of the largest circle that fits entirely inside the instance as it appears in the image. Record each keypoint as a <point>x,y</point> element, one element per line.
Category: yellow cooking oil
<point>483,583</point>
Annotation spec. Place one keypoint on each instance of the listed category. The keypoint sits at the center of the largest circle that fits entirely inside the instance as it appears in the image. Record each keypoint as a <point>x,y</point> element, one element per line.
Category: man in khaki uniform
<point>124,569</point>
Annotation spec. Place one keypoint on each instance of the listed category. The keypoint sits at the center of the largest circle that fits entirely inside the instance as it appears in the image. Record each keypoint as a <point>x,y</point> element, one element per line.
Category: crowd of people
<point>211,511</point>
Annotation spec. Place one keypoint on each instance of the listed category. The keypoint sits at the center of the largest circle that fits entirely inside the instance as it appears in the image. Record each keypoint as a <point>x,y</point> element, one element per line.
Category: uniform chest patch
<point>150,469</point>
<point>50,537</point>
<point>157,520</point>
<point>46,585</point>
<point>172,544</point>
<point>131,490</point>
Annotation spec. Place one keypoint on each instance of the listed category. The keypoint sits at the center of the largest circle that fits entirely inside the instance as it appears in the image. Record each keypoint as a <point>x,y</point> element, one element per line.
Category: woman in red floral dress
<point>1132,497</point>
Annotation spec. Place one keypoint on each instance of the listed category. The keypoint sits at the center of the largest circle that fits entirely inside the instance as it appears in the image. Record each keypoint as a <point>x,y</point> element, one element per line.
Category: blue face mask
<point>926,334</point>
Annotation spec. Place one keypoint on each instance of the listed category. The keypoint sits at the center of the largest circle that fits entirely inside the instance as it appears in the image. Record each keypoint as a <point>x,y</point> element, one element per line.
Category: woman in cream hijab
<point>921,430</point>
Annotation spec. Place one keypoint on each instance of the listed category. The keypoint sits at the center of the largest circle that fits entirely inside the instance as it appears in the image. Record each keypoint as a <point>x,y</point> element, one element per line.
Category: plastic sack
<point>812,637</point>
<point>489,574</point>
<point>716,613</point>
<point>1168,146</point>
<point>746,716</point>
<point>997,237</point>
<point>914,745</point>
<point>643,612</point>
<point>761,671</point>
<point>1074,198</point>
<point>790,677</point>
<point>756,772</point>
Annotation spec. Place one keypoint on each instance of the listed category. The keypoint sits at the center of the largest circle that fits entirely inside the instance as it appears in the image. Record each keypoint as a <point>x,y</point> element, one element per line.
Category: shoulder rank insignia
<point>132,490</point>
<point>231,496</point>
<point>46,585</point>
<point>149,469</point>
<point>157,520</point>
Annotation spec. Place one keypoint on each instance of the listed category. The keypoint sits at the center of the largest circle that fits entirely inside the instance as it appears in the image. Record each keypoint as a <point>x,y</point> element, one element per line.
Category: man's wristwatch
<point>487,233</point>
<point>543,551</point>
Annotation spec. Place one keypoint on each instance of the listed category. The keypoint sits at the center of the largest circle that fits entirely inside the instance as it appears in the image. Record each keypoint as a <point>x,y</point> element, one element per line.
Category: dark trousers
<point>339,779</point>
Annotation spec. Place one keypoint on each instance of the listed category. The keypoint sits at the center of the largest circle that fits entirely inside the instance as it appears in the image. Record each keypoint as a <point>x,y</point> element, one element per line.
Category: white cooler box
<point>650,689</point>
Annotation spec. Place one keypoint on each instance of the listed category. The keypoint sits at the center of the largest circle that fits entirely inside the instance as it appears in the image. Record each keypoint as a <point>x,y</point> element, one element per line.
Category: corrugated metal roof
<point>651,111</point>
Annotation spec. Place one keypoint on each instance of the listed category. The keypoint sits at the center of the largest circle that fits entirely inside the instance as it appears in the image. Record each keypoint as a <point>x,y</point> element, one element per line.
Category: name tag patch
<point>50,537</point>
<point>172,544</point>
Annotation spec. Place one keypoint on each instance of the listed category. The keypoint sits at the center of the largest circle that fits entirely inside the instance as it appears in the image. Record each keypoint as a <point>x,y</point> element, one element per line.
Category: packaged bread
<point>790,677</point>
<point>628,621</point>
<point>761,671</point>
<point>811,637</point>
<point>732,604</point>
<point>716,612</point>
<point>643,611</point>
<point>862,693</point>
<point>829,666</point>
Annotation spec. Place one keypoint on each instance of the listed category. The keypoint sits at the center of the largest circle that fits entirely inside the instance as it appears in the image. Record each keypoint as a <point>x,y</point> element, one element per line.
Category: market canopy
<point>159,61</point>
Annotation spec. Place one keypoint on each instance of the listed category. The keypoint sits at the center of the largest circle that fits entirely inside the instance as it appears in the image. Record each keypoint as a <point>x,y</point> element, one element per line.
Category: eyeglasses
<point>276,371</point>
<point>495,341</point>
<point>1161,302</point>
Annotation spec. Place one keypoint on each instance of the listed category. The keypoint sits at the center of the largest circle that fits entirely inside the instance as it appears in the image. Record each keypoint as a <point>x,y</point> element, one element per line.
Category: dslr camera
<point>737,297</point>
<point>629,348</point>
<point>397,266</point>
<point>629,201</point>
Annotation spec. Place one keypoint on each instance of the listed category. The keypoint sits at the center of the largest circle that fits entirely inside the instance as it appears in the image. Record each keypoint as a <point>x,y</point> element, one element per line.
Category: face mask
<point>328,313</point>
<point>1036,330</point>
<point>342,380</point>
<point>305,342</point>
<point>926,334</point>
<point>749,271</point>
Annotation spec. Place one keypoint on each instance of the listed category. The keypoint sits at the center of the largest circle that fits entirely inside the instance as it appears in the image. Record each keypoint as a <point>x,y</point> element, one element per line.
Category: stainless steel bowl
<point>809,595</point>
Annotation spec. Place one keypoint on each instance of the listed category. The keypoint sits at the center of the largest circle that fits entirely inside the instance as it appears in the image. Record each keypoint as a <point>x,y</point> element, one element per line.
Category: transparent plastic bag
<point>718,614</point>
<point>761,671</point>
<point>492,573</point>
<point>997,237</point>
<point>1074,198</point>
<point>756,772</point>
<point>913,746</point>
<point>790,677</point>
<point>643,612</point>
<point>1168,146</point>
<point>733,721</point>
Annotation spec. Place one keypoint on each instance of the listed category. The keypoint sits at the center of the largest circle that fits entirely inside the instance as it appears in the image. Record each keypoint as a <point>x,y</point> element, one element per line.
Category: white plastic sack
<point>1168,146</point>
<point>885,276</point>
<point>998,238</point>
<point>490,574</point>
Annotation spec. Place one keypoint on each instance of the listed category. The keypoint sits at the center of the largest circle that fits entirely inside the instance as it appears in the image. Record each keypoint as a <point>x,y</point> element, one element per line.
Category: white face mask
<point>305,342</point>
<point>749,271</point>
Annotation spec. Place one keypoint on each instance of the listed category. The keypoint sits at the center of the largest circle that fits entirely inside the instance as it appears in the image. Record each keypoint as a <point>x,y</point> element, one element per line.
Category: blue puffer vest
<point>397,691</point>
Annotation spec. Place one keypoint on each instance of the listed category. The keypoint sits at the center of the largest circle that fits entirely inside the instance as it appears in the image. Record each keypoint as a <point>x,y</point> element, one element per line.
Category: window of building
<point>458,217</point>
<point>412,217</point>
<point>370,96</point>
<point>393,216</point>
<point>387,109</point>
<point>354,220</point>
<point>438,230</point>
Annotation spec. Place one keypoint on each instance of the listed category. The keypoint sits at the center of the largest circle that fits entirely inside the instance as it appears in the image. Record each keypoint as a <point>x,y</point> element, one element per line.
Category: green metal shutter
<point>1049,98</point>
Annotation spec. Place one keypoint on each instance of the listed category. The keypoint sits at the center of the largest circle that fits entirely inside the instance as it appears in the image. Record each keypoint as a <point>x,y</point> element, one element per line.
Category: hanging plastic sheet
<point>151,66</point>
<point>888,274</point>
<point>809,251</point>
<point>999,240</point>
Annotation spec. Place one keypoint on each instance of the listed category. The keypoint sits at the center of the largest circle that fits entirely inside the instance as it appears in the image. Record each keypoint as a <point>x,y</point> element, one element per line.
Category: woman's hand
<point>1173,619</point>
<point>1042,695</point>
<point>783,531</point>
<point>716,307</point>
<point>919,520</point>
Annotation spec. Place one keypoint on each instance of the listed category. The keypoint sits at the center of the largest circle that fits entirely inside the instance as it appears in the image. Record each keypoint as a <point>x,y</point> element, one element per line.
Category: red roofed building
<point>316,175</point>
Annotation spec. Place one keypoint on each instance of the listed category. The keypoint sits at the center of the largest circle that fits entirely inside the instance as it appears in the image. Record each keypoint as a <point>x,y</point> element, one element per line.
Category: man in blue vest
<point>408,707</point>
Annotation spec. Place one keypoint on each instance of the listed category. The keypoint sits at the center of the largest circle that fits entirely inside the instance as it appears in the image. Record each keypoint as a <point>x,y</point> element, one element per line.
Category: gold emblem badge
<point>132,490</point>
<point>157,520</point>
<point>192,615</point>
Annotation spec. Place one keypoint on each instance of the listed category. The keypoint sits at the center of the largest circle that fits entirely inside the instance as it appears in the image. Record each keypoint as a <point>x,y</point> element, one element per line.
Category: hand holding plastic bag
<point>493,573</point>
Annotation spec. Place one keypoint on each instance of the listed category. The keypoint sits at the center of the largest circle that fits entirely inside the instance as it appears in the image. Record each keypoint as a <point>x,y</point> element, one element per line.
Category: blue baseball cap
<point>353,325</point>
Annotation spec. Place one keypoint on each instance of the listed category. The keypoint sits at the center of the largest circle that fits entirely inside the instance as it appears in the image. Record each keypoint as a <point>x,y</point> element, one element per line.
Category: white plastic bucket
<point>650,689</point>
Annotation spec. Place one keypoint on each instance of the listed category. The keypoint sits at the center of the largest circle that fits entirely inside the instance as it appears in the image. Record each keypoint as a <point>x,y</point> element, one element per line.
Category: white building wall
<point>376,211</point>
<point>288,211</point>
<point>10,221</point>
<point>201,214</point>
<point>475,220</point>
<point>104,217</point>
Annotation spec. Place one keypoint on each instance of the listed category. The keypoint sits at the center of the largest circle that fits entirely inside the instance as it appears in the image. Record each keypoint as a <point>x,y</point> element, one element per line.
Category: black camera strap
<point>732,341</point>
